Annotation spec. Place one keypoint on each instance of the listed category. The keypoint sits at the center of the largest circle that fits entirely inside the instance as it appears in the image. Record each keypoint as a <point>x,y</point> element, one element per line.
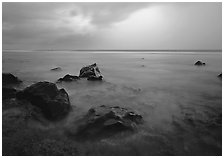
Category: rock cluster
<point>108,120</point>
<point>199,63</point>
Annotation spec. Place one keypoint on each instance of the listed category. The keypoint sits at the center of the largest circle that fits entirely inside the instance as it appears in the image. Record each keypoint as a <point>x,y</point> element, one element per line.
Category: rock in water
<point>56,69</point>
<point>53,102</point>
<point>220,75</point>
<point>8,78</point>
<point>92,72</point>
<point>68,78</point>
<point>199,63</point>
<point>108,120</point>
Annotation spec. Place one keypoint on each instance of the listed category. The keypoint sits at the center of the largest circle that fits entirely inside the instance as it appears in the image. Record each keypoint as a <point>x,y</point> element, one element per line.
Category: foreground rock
<point>8,78</point>
<point>91,72</point>
<point>108,120</point>
<point>56,69</point>
<point>68,78</point>
<point>8,93</point>
<point>54,103</point>
<point>199,63</point>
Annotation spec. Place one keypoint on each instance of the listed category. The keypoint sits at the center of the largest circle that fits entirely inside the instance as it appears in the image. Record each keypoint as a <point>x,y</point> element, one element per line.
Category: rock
<point>8,78</point>
<point>199,63</point>
<point>68,78</point>
<point>8,93</point>
<point>95,78</point>
<point>56,69</point>
<point>220,75</point>
<point>90,71</point>
<point>53,102</point>
<point>108,120</point>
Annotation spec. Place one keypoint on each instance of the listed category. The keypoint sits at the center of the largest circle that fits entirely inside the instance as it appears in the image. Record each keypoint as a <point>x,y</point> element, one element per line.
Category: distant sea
<point>179,101</point>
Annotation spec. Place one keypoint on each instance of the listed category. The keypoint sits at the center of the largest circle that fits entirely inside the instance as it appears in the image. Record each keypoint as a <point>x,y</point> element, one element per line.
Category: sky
<point>128,26</point>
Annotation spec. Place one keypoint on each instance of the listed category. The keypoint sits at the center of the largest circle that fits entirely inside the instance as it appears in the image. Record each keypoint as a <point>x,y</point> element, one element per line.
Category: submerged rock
<point>56,69</point>
<point>68,78</point>
<point>220,76</point>
<point>199,63</point>
<point>8,78</point>
<point>53,102</point>
<point>108,120</point>
<point>91,72</point>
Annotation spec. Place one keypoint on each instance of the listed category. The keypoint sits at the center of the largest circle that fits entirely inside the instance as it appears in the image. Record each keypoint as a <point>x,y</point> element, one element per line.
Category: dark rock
<point>8,93</point>
<point>108,120</point>
<point>199,63</point>
<point>56,69</point>
<point>220,75</point>
<point>53,102</point>
<point>95,78</point>
<point>68,78</point>
<point>90,71</point>
<point>8,78</point>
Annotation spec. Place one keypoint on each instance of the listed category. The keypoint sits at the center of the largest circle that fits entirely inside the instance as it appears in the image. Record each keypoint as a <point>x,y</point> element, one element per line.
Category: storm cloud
<point>111,25</point>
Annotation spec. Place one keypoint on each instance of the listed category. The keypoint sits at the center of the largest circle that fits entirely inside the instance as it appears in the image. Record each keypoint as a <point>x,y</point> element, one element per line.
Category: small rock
<point>8,78</point>
<point>68,78</point>
<point>56,69</point>
<point>199,63</point>
<point>53,102</point>
<point>220,75</point>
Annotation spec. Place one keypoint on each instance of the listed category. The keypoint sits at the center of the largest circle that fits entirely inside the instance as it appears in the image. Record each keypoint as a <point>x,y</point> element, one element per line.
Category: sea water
<point>178,101</point>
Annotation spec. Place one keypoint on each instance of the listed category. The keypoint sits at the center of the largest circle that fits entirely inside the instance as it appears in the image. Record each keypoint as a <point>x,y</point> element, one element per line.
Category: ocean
<point>179,102</point>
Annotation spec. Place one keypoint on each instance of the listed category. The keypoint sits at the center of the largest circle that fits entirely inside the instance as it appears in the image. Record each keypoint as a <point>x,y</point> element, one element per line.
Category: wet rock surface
<point>105,121</point>
<point>68,78</point>
<point>8,78</point>
<point>53,102</point>
<point>91,72</point>
<point>199,63</point>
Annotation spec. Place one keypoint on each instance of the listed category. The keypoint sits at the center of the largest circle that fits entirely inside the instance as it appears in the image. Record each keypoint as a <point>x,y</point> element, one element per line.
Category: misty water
<point>179,102</point>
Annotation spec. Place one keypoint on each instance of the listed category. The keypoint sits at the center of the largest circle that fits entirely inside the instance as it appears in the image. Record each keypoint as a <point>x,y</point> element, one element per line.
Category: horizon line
<point>140,50</point>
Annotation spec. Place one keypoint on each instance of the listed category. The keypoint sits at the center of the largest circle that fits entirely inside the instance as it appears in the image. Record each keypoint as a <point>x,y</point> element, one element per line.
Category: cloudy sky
<point>112,25</point>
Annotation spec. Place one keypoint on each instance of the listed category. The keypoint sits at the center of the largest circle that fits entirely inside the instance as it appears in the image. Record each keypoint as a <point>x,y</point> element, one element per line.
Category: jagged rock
<point>199,63</point>
<point>91,71</point>
<point>108,120</point>
<point>8,93</point>
<point>53,102</point>
<point>8,78</point>
<point>220,75</point>
<point>68,78</point>
<point>56,69</point>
